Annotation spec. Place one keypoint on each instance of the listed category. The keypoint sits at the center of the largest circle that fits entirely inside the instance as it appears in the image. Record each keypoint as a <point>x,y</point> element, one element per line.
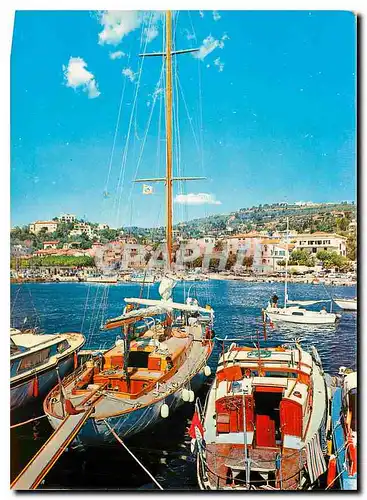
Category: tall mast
<point>169,137</point>
<point>286,269</point>
<point>169,179</point>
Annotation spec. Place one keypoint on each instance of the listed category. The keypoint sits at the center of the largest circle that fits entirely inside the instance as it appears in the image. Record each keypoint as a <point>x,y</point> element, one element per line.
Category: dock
<point>35,471</point>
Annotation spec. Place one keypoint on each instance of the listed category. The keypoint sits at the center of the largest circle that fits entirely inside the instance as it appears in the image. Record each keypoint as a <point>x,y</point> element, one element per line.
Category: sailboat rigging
<point>166,345</point>
<point>294,313</point>
<point>169,179</point>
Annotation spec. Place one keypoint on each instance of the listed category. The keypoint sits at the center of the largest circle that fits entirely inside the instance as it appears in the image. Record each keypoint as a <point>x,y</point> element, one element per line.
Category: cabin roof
<point>269,358</point>
<point>33,342</point>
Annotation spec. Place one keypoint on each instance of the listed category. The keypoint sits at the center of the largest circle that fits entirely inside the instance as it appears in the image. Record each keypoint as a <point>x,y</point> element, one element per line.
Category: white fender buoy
<point>185,395</point>
<point>207,371</point>
<point>191,396</point>
<point>164,411</point>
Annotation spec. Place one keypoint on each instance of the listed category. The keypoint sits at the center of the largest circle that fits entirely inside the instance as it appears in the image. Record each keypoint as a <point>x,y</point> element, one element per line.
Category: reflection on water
<point>62,307</point>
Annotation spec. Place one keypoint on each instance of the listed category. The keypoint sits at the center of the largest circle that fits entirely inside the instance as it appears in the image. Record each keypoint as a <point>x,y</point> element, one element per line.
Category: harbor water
<point>165,449</point>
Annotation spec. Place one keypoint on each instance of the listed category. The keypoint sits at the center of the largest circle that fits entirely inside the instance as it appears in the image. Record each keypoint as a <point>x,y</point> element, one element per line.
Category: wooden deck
<point>111,403</point>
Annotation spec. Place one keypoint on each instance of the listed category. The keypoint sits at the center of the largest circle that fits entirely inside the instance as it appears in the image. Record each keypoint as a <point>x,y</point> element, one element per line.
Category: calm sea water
<point>82,307</point>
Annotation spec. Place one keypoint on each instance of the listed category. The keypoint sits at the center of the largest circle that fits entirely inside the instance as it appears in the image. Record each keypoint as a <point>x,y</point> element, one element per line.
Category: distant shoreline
<point>218,277</point>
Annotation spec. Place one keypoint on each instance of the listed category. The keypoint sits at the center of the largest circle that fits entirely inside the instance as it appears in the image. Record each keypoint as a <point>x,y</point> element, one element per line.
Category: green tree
<point>248,261</point>
<point>351,246</point>
<point>332,260</point>
<point>198,262</point>
<point>301,258</point>
<point>231,261</point>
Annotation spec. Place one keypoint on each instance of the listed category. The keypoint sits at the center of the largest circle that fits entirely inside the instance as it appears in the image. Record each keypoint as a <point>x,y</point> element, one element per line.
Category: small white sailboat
<point>295,313</point>
<point>346,304</point>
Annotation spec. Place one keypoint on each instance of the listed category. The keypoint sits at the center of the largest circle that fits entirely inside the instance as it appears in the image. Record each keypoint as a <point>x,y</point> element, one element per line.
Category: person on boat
<point>169,363</point>
<point>274,300</point>
<point>323,310</point>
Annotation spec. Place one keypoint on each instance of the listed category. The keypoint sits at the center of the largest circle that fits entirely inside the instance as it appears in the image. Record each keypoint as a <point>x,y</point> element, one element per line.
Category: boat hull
<point>347,305</point>
<point>95,432</point>
<point>22,393</point>
<point>317,319</point>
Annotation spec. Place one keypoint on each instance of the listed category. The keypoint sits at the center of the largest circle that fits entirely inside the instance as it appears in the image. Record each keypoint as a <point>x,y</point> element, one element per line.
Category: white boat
<point>65,279</point>
<point>346,304</point>
<point>102,279</point>
<point>142,278</point>
<point>264,422</point>
<point>295,313</point>
<point>34,359</point>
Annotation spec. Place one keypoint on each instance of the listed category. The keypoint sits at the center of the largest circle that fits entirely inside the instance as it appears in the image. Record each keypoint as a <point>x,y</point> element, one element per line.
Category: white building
<point>315,242</point>
<point>67,218</point>
<point>49,225</point>
<point>103,226</point>
<point>50,244</point>
<point>82,228</point>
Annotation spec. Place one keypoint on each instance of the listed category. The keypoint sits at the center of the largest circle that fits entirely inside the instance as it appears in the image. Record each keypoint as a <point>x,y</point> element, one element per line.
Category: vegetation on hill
<point>54,260</point>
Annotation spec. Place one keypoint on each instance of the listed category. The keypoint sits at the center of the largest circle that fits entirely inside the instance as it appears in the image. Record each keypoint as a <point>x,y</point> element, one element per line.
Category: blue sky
<point>266,110</point>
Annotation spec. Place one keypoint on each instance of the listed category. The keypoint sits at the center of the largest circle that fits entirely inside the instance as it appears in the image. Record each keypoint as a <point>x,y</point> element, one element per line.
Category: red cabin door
<point>265,431</point>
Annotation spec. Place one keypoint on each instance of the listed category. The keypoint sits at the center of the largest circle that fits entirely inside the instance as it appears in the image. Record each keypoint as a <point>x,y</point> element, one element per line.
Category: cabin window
<point>63,346</point>
<point>297,313</point>
<point>34,359</point>
<point>281,374</point>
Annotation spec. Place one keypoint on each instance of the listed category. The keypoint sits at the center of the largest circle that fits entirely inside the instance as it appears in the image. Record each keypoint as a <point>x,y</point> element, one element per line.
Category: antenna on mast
<point>169,179</point>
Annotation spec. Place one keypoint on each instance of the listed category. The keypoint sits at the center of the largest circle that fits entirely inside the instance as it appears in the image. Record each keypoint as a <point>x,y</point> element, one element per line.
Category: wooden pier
<point>34,472</point>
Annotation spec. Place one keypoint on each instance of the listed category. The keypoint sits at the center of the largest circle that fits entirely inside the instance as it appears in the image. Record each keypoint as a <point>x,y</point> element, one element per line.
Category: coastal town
<point>247,245</point>
<point>184,251</point>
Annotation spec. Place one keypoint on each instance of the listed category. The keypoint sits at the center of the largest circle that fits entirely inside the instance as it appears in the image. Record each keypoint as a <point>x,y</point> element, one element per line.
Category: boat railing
<point>277,462</point>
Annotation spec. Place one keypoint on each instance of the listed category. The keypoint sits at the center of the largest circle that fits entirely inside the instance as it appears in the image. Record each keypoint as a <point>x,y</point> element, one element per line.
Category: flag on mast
<point>147,189</point>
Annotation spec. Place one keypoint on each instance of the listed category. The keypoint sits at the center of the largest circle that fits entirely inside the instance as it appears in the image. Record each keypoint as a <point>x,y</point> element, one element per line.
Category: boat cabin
<point>30,351</point>
<point>274,387</point>
<point>149,362</point>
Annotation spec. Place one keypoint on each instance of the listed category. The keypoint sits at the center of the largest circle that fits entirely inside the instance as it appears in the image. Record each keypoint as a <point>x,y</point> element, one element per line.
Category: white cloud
<point>117,55</point>
<point>209,44</point>
<point>219,63</point>
<point>128,72</point>
<point>77,76</point>
<point>117,24</point>
<point>216,15</point>
<point>189,36</point>
<point>151,33</point>
<point>197,199</point>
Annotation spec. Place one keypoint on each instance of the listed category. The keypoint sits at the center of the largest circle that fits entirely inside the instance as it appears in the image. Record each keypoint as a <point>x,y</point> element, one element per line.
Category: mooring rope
<point>27,421</point>
<point>132,454</point>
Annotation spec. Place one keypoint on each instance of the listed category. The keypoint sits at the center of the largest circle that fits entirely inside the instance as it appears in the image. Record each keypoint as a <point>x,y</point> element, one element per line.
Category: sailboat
<point>263,426</point>
<point>162,357</point>
<point>294,313</point>
<point>346,304</point>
